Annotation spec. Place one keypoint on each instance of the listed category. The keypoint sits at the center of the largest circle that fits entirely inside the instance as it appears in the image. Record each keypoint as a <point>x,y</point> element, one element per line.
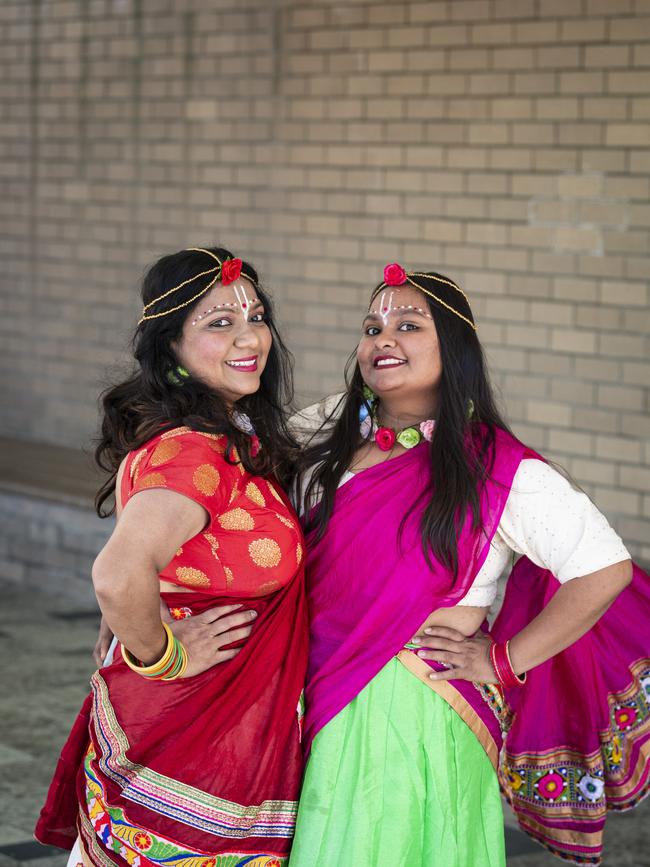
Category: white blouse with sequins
<point>545,518</point>
<point>554,525</point>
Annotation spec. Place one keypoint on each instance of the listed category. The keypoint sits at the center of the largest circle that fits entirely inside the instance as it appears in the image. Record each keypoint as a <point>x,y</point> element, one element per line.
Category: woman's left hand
<point>103,643</point>
<point>465,658</point>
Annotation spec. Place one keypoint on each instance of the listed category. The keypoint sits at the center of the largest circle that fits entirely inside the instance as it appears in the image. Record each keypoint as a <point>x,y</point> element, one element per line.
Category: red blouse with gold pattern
<point>252,543</point>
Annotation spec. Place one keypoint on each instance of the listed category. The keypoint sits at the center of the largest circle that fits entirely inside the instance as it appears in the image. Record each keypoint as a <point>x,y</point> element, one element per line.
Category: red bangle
<point>502,664</point>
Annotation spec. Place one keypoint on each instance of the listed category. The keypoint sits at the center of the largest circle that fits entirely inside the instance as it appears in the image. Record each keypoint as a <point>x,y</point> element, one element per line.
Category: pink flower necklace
<point>408,437</point>
<point>385,437</point>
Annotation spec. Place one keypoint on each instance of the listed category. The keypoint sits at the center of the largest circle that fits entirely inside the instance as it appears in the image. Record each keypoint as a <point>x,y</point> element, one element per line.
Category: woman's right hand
<point>204,635</point>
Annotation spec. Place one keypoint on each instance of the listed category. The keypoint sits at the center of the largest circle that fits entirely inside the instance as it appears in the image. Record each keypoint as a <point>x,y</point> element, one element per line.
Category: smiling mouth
<point>386,361</point>
<point>245,365</point>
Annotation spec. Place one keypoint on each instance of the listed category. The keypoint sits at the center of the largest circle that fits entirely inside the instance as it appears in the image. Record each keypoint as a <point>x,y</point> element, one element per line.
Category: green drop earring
<point>177,375</point>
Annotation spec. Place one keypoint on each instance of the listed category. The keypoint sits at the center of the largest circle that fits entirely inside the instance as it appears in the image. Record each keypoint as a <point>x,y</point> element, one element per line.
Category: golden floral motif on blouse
<point>265,553</point>
<point>135,463</point>
<point>165,451</point>
<point>275,493</point>
<point>233,495</point>
<point>299,553</point>
<point>216,442</point>
<point>179,552</point>
<point>175,432</point>
<point>193,577</point>
<point>184,429</point>
<point>253,493</point>
<point>152,480</point>
<point>214,544</point>
<point>229,576</point>
<point>206,479</point>
<point>236,519</point>
<point>285,521</point>
<point>268,587</point>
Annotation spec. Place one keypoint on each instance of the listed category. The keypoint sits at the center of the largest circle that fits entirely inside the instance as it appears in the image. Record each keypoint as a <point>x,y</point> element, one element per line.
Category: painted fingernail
<point>422,653</point>
<point>429,631</point>
<point>253,615</point>
<point>416,640</point>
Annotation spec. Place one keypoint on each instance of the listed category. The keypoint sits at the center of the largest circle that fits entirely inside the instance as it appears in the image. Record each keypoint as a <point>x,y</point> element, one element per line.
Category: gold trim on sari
<point>455,700</point>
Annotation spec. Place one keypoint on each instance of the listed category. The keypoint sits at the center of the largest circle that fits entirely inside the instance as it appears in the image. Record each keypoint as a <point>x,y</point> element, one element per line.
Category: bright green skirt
<point>397,779</point>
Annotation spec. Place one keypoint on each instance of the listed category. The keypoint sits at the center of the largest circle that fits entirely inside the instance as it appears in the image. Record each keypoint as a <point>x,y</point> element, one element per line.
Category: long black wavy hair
<point>152,399</point>
<point>461,451</point>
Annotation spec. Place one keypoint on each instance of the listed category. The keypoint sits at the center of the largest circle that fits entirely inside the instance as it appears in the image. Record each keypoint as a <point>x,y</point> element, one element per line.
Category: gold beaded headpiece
<point>395,275</point>
<point>226,271</point>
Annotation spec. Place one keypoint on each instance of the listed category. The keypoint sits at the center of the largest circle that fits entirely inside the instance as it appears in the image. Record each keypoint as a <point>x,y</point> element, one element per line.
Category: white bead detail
<point>227,305</point>
<point>403,307</point>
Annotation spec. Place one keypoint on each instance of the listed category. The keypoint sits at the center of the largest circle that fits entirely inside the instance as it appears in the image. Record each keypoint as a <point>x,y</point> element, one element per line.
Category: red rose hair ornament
<point>394,275</point>
<point>230,270</point>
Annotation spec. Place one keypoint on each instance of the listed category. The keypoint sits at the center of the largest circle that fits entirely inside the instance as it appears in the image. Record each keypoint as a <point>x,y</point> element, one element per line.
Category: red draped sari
<point>202,771</point>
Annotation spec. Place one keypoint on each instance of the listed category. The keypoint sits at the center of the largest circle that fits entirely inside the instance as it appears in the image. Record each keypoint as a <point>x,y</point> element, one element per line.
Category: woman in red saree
<point>187,751</point>
<point>416,498</point>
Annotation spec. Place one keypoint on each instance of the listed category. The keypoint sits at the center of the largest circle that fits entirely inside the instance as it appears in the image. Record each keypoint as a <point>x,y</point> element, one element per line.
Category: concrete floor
<point>45,646</point>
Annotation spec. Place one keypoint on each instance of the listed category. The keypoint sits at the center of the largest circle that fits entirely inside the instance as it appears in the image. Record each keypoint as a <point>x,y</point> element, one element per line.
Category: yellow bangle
<point>183,666</point>
<point>155,667</point>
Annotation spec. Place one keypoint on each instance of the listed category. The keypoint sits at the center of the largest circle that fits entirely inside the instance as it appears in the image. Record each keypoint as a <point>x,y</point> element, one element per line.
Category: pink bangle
<point>502,664</point>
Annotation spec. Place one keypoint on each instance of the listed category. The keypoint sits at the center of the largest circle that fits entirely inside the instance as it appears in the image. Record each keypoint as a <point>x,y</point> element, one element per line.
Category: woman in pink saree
<point>415,498</point>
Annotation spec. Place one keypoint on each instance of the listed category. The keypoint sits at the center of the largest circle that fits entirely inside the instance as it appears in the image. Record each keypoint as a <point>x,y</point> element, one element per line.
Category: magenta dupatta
<point>369,591</point>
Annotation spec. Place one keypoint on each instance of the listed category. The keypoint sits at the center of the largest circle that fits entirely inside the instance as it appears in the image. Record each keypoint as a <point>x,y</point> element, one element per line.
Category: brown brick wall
<point>504,142</point>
